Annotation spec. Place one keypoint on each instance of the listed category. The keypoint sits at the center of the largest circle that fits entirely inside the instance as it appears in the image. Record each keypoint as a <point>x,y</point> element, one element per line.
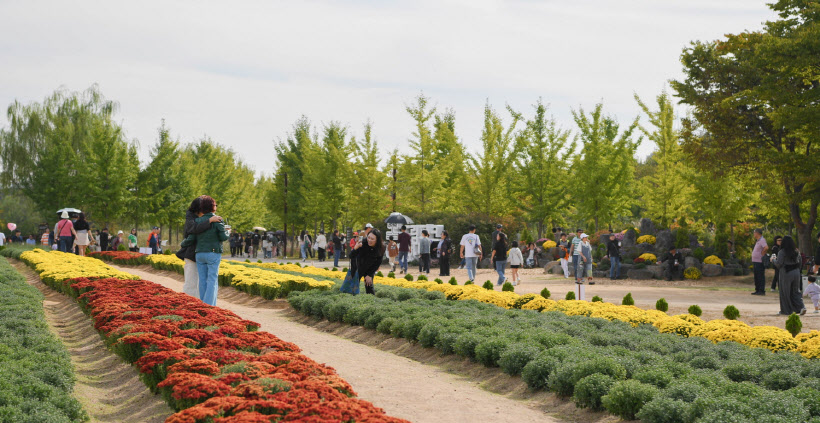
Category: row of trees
<point>746,151</point>
<point>68,151</point>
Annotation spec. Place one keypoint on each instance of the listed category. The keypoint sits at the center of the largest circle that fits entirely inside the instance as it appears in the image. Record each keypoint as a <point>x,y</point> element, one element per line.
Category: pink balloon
<point>12,226</point>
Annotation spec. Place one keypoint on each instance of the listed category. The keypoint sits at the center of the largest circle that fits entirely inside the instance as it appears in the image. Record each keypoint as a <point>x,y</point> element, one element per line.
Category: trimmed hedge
<point>601,364</point>
<point>36,375</point>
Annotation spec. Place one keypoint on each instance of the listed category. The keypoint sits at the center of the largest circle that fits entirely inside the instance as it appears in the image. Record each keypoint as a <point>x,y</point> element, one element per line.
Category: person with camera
<point>673,261</point>
<point>365,259</point>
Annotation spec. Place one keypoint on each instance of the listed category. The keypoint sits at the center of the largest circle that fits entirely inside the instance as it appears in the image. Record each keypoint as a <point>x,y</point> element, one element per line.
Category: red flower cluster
<point>213,365</point>
<point>638,260</point>
<point>128,258</point>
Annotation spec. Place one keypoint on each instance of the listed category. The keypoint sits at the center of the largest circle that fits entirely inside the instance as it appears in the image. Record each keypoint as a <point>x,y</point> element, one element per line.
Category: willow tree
<point>666,192</point>
<point>69,152</point>
<point>757,96</point>
<point>603,171</point>
<point>544,153</point>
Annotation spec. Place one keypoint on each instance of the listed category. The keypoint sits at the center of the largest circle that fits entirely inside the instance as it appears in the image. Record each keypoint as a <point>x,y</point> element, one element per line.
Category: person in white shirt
<point>813,291</point>
<point>2,239</point>
<point>470,250</point>
<point>321,245</point>
<point>516,260</point>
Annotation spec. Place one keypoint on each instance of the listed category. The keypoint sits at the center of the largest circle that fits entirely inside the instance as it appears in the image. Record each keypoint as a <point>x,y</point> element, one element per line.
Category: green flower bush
<point>628,300</point>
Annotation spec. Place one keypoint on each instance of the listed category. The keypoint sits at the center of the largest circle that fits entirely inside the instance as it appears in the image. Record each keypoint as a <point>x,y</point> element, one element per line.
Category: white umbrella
<point>72,212</point>
<point>259,228</point>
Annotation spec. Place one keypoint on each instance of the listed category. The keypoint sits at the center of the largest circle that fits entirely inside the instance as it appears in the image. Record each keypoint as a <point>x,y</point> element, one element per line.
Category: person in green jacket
<point>208,251</point>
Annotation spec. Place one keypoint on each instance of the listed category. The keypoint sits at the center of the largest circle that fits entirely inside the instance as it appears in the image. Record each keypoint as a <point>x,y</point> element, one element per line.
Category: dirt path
<point>403,387</point>
<point>109,389</point>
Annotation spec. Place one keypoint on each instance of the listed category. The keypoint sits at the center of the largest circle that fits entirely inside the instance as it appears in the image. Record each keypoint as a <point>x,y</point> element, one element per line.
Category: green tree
<point>544,151</point>
<point>418,183</point>
<point>167,192</point>
<point>371,197</point>
<point>287,198</point>
<point>603,170</point>
<point>492,168</point>
<point>69,152</point>
<point>450,196</point>
<point>757,96</point>
<point>666,193</point>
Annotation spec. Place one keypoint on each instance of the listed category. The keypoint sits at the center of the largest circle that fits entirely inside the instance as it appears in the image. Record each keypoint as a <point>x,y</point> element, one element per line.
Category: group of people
<point>788,264</point>
<point>74,235</point>
<point>249,245</point>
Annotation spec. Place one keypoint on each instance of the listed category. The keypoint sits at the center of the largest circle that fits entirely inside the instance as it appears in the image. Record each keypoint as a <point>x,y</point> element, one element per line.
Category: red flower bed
<point>213,366</point>
<point>128,258</point>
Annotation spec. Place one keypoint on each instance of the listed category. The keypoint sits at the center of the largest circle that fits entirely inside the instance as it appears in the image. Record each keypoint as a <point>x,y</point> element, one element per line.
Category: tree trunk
<point>804,228</point>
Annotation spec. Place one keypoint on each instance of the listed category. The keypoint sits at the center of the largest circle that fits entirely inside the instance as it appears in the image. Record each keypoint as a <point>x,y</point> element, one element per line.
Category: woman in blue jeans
<point>208,251</point>
<point>499,256</point>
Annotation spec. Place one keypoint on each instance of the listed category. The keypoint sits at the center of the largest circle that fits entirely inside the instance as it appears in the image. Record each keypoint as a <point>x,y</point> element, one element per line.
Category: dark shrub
<point>626,398</point>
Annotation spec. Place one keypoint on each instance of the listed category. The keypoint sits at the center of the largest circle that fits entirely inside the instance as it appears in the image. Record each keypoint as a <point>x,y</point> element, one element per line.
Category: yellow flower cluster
<point>250,279</point>
<point>649,239</point>
<point>692,273</point>
<point>549,244</point>
<point>808,344</point>
<point>649,258</point>
<point>55,267</point>
<point>713,260</point>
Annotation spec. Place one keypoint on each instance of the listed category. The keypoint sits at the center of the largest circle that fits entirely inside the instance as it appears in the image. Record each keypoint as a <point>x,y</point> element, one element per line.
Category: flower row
<point>769,337</point>
<point>207,362</point>
<point>251,279</point>
<point>128,258</point>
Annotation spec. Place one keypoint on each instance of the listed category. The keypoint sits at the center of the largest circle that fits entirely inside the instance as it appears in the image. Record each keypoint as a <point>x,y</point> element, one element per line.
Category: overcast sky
<point>242,72</point>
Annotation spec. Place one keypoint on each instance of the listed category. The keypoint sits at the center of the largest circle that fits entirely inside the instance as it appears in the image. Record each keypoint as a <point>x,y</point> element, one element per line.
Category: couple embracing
<point>201,250</point>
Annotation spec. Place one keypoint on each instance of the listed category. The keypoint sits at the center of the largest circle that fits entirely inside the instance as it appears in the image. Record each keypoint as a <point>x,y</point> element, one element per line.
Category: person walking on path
<point>816,255</point>
<point>404,248</point>
<point>392,253</point>
<point>585,252</point>
<point>153,240</point>
<point>499,256</point>
<point>789,262</point>
<point>338,240</point>
<point>516,260</point>
<point>104,239</point>
<point>232,243</point>
<point>321,245</point>
<point>132,241</point>
<point>813,292</point>
<point>424,252</point>
<point>208,251</point>
<point>188,254</point>
<point>255,238</point>
<point>470,250</point>
<point>613,251</point>
<point>758,252</point>
<point>778,241</point>
<point>563,254</point>
<point>83,237</point>
<point>444,247</point>
<point>303,245</point>
<point>575,251</point>
<point>367,257</point>
<point>494,236</point>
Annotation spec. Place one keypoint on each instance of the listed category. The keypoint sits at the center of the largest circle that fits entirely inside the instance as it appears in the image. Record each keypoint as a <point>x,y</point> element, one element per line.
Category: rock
<point>640,274</point>
<point>486,264</point>
<point>625,267</point>
<point>692,262</point>
<point>657,271</point>
<point>663,241</point>
<point>645,248</point>
<point>553,267</point>
<point>603,239</point>
<point>712,270</point>
<point>552,254</point>
<point>732,269</point>
<point>647,227</point>
<point>630,238</point>
<point>600,274</point>
<point>693,241</point>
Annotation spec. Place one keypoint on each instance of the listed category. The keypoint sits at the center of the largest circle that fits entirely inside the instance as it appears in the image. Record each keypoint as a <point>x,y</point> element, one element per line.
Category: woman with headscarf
<point>365,260</point>
<point>789,263</point>
<point>188,253</point>
<point>208,250</point>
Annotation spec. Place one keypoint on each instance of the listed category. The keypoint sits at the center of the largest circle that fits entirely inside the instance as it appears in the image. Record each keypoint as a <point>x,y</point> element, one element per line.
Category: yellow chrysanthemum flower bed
<point>692,273</point>
<point>549,244</point>
<point>250,279</point>
<point>713,260</point>
<point>55,267</point>
<point>649,258</point>
<point>649,239</point>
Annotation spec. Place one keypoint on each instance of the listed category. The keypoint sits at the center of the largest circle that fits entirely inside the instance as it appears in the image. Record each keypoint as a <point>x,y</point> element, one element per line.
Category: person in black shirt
<point>444,247</point>
<point>337,239</point>
<point>499,256</point>
<point>613,251</point>
<point>673,264</point>
<point>778,241</point>
<point>104,240</point>
<point>366,257</point>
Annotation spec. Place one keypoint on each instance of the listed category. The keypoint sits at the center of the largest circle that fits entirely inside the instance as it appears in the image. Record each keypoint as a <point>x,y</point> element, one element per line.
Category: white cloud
<point>243,72</point>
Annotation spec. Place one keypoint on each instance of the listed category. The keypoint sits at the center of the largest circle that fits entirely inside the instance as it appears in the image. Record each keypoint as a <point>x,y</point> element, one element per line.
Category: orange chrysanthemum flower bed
<point>213,366</point>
